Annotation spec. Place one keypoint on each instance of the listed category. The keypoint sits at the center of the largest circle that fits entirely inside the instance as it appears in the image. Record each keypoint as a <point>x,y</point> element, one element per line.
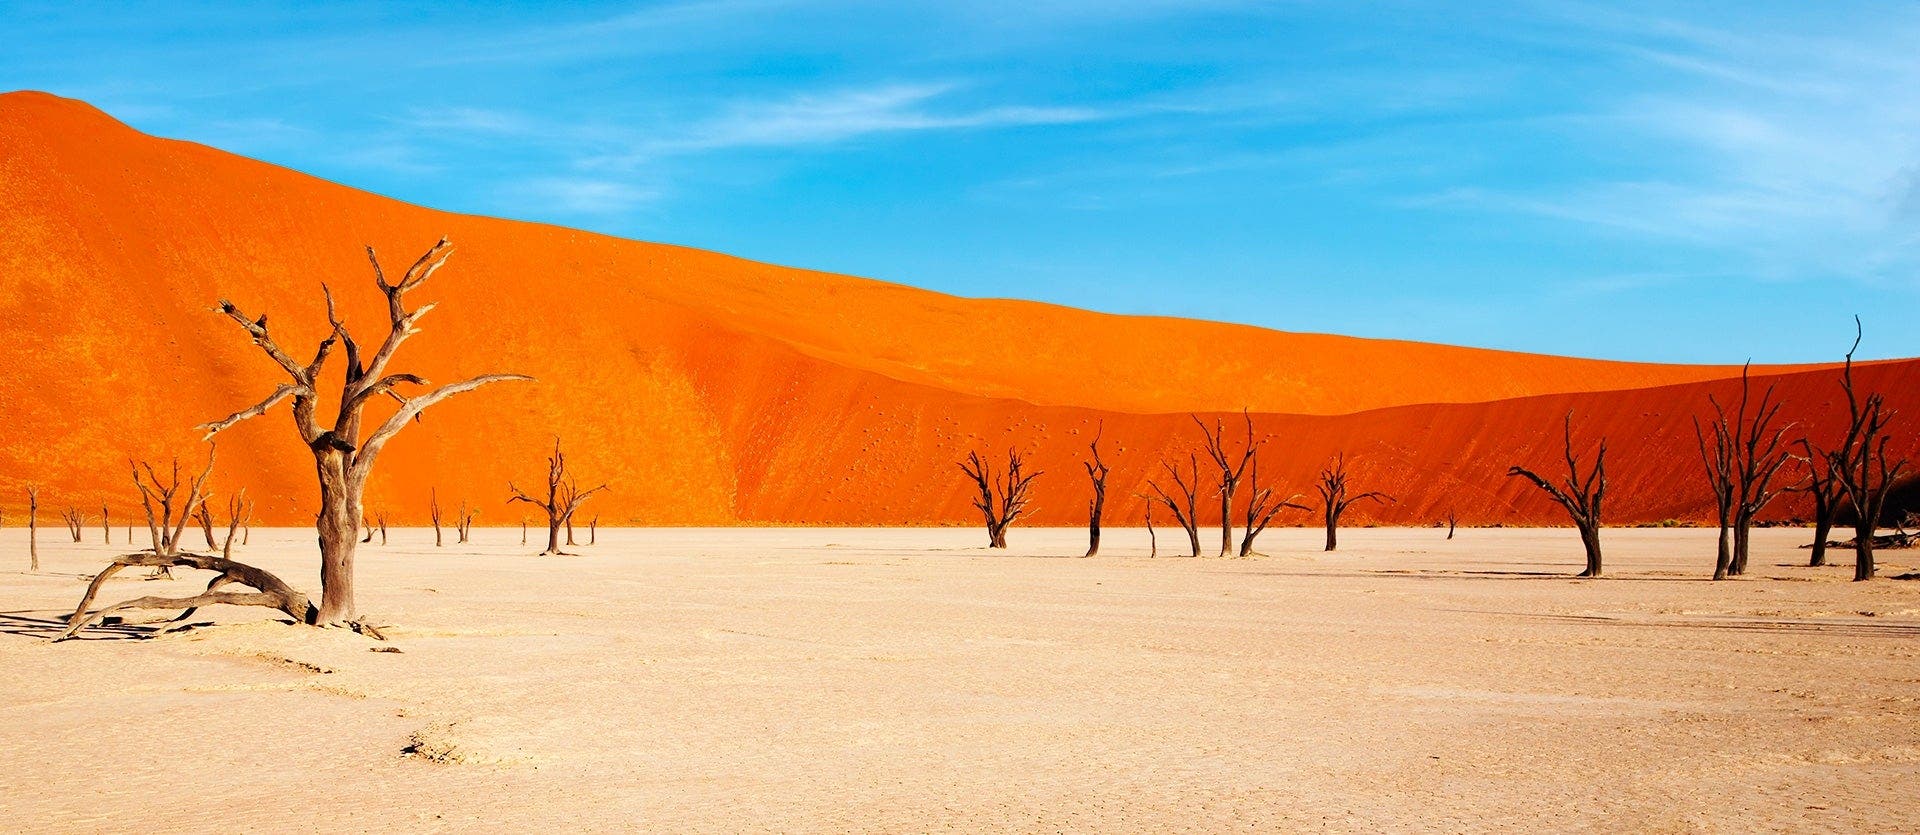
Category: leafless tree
<point>563,498</point>
<point>1860,464</point>
<point>1262,505</point>
<point>1153,540</point>
<point>593,531</point>
<point>523,529</point>
<point>106,526</point>
<point>344,455</point>
<point>466,523</point>
<point>33,528</point>
<point>1452,519</point>
<point>1003,497</point>
<point>433,512</point>
<point>1231,470</point>
<point>204,516</point>
<point>1823,485</point>
<point>1183,500</point>
<point>1580,495</point>
<point>1755,450</point>
<point>239,510</point>
<point>73,519</point>
<point>380,518</point>
<point>1719,464</point>
<point>1097,470</point>
<point>1335,498</point>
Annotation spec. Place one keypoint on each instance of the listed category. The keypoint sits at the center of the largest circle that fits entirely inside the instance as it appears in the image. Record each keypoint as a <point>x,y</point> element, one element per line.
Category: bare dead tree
<point>1003,497</point>
<point>1758,451</point>
<point>366,525</point>
<point>204,516</point>
<point>563,499</point>
<point>344,455</point>
<point>1822,483</point>
<point>569,524</point>
<point>593,531</point>
<point>1183,500</point>
<point>1153,540</point>
<point>1580,495</point>
<point>74,521</point>
<point>1262,505</point>
<point>1719,464</point>
<point>1097,470</point>
<point>466,523</point>
<point>1452,519</point>
<point>238,510</point>
<point>380,518</point>
<point>433,512</point>
<point>1335,498</point>
<point>523,529</point>
<point>106,526</point>
<point>1861,465</point>
<point>1230,470</point>
<point>33,528</point>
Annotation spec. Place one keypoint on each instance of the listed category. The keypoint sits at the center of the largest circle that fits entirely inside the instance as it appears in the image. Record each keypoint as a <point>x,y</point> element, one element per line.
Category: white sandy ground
<point>908,680</point>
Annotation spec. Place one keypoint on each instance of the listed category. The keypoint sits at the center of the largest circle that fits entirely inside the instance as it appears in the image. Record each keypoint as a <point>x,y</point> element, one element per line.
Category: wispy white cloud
<point>583,196</point>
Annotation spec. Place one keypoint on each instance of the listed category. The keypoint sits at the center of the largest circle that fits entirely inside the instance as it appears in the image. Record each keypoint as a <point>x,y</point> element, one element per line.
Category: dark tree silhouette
<point>1262,505</point>
<point>239,511</point>
<point>1580,495</point>
<point>433,512</point>
<point>1231,470</point>
<point>74,521</point>
<point>1821,483</point>
<point>564,497</point>
<point>1183,501</point>
<point>1452,519</point>
<point>1097,470</point>
<point>1335,498</point>
<point>1153,539</point>
<point>1718,462</point>
<point>343,455</point>
<point>33,528</point>
<point>1002,498</point>
<point>1860,464</point>
<point>106,526</point>
<point>465,523</point>
<point>1755,451</point>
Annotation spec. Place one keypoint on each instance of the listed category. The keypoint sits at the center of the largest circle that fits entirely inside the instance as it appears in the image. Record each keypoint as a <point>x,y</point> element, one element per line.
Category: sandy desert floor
<point>908,680</point>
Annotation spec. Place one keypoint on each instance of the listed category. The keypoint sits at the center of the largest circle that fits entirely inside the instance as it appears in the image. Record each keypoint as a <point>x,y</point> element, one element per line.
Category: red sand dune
<point>713,390</point>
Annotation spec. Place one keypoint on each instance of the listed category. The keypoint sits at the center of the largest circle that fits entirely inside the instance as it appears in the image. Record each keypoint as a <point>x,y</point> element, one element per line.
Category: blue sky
<point>1660,181</point>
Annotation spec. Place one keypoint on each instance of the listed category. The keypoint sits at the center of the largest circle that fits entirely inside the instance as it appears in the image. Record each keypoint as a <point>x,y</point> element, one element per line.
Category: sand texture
<point>818,680</point>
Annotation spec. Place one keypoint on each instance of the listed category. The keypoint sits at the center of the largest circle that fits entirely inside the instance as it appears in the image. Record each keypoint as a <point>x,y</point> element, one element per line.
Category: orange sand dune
<point>706,389</point>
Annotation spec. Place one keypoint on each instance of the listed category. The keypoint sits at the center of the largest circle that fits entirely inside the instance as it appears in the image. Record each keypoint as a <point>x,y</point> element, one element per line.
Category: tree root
<point>270,591</point>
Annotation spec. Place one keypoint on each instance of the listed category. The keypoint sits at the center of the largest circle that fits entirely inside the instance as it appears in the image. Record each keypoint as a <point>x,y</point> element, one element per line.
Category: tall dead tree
<point>563,498</point>
<point>1822,483</point>
<point>1231,470</point>
<point>344,455</point>
<point>205,517</point>
<point>73,519</point>
<point>1718,461</point>
<point>1452,519</point>
<point>1003,497</point>
<point>1580,495</point>
<point>1184,498</point>
<point>33,528</point>
<point>1153,540</point>
<point>465,523</point>
<point>1861,465</point>
<point>239,510</point>
<point>1335,498</point>
<point>1748,452</point>
<point>1262,505</point>
<point>1097,470</point>
<point>433,512</point>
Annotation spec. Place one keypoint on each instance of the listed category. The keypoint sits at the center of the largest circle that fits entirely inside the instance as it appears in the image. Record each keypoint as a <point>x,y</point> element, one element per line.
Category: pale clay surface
<point>909,680</point>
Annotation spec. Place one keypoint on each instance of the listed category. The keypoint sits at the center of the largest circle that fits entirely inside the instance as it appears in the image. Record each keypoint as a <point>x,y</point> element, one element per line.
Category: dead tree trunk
<point>1097,470</point>
<point>1230,470</point>
<point>1860,464</point>
<point>1003,498</point>
<point>205,517</point>
<point>1580,495</point>
<point>343,458</point>
<point>238,511</point>
<point>593,531</point>
<point>1153,541</point>
<point>1451,520</point>
<point>563,499</point>
<point>381,519</point>
<point>1823,485</point>
<point>73,520</point>
<point>1719,464</point>
<point>523,530</point>
<point>33,528</point>
<point>1334,499</point>
<point>1183,502</point>
<point>106,527</point>
<point>466,523</point>
<point>433,512</point>
<point>1262,506</point>
<point>1759,453</point>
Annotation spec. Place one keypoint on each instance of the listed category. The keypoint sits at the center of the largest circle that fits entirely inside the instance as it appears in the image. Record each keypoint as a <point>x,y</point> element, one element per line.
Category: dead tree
<point>563,499</point>
<point>1452,519</point>
<point>380,518</point>
<point>1860,464</point>
<point>1153,540</point>
<point>1334,498</point>
<point>74,522</point>
<point>1823,485</point>
<point>1757,452</point>
<point>366,524</point>
<point>205,517</point>
<point>1230,470</point>
<point>465,522</point>
<point>33,528</point>
<point>1003,498</point>
<point>1262,505</point>
<point>1719,464</point>
<point>239,510</point>
<point>433,512</point>
<point>523,529</point>
<point>1580,495</point>
<point>593,531</point>
<point>106,527</point>
<point>344,455</point>
<point>1183,501</point>
<point>1097,470</point>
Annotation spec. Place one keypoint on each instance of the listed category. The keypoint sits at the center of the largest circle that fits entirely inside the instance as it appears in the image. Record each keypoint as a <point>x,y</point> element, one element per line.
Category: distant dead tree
<point>106,526</point>
<point>366,524</point>
<point>204,516</point>
<point>1153,540</point>
<point>74,522</point>
<point>1335,498</point>
<point>1822,483</point>
<point>1580,495</point>
<point>1262,505</point>
<point>1003,498</point>
<point>563,499</point>
<point>33,528</point>
<point>1748,454</point>
<point>239,510</point>
<point>380,519</point>
<point>1097,470</point>
<point>593,531</point>
<point>1719,463</point>
<point>343,455</point>
<point>523,529</point>
<point>433,512</point>
<point>1860,463</point>
<point>465,522</point>
<point>1183,500</point>
<point>1452,519</point>
<point>1231,470</point>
